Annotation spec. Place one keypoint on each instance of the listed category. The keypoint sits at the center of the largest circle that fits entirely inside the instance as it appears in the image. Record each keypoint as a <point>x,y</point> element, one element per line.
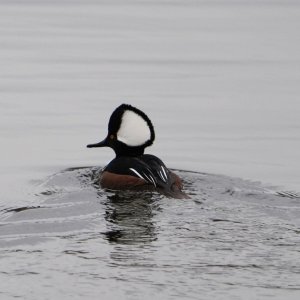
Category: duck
<point>130,131</point>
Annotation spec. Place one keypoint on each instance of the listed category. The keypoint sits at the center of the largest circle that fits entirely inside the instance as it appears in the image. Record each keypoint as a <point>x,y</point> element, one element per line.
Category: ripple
<point>232,234</point>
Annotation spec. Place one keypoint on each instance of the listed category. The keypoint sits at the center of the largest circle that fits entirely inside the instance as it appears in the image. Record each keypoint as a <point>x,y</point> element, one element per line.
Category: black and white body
<point>130,131</point>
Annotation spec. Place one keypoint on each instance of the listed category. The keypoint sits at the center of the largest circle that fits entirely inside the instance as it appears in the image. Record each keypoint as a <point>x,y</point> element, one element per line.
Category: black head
<point>130,131</point>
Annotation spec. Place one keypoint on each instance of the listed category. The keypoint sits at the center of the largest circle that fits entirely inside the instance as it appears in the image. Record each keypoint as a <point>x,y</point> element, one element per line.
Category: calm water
<point>220,81</point>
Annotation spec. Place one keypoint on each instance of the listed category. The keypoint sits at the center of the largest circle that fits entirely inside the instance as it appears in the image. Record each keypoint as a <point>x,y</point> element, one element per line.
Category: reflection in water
<point>141,243</point>
<point>129,217</point>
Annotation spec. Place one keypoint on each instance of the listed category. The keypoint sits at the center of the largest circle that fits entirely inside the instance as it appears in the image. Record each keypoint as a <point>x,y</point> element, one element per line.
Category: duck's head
<point>130,131</point>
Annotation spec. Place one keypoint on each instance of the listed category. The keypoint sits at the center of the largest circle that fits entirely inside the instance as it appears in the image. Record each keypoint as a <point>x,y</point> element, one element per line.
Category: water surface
<point>232,236</point>
<point>220,81</point>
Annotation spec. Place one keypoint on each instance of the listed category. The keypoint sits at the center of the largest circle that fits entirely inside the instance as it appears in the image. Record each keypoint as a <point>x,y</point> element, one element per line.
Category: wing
<point>150,169</point>
<point>147,167</point>
<point>156,170</point>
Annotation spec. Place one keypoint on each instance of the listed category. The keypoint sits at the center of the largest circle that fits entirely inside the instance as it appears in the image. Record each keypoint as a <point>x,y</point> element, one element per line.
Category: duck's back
<point>142,172</point>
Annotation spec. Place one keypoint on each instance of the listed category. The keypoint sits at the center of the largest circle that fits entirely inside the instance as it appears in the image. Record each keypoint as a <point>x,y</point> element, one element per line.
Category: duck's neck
<point>129,151</point>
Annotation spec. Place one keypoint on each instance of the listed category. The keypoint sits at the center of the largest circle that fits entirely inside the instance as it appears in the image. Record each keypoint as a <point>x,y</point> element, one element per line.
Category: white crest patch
<point>134,130</point>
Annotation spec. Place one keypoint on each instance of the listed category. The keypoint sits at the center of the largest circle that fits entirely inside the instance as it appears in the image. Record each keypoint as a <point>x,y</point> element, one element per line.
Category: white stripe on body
<point>137,173</point>
<point>166,176</point>
<point>161,176</point>
<point>151,179</point>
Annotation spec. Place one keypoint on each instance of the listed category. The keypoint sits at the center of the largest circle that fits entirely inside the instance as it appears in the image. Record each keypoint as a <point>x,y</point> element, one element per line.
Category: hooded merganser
<point>130,131</point>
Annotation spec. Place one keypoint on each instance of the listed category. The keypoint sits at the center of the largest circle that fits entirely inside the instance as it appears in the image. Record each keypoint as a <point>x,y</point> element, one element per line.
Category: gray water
<point>219,80</point>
